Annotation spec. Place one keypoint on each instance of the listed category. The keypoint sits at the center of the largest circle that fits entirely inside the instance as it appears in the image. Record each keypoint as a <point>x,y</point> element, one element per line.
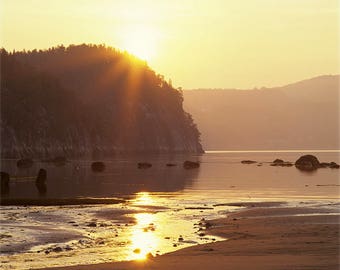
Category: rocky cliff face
<point>89,100</point>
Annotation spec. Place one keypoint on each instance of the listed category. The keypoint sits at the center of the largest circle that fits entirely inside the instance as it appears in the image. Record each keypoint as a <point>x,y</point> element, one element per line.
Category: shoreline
<point>57,201</point>
<point>263,236</point>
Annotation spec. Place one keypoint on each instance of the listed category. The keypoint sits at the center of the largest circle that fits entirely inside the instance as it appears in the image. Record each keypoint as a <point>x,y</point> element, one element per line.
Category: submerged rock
<point>40,182</point>
<point>331,165</point>
<point>191,164</point>
<point>278,161</point>
<point>4,183</point>
<point>98,166</point>
<point>25,163</point>
<point>307,163</point>
<point>248,161</point>
<point>171,164</point>
<point>144,165</point>
<point>334,165</point>
<point>42,176</point>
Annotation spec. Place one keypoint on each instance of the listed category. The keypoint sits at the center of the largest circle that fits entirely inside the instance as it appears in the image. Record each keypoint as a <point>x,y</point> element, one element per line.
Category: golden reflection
<point>144,198</point>
<point>143,238</point>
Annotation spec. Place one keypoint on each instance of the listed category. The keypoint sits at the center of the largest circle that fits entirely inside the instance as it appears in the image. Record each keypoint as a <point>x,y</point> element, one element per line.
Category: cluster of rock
<point>281,163</point>
<point>304,163</point>
<point>311,163</point>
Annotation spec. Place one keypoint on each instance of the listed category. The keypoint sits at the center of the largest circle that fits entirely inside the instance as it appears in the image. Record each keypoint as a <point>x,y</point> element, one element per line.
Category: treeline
<point>86,99</point>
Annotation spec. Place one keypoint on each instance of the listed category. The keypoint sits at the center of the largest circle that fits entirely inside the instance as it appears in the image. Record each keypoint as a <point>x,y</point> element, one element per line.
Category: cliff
<point>301,115</point>
<point>89,100</point>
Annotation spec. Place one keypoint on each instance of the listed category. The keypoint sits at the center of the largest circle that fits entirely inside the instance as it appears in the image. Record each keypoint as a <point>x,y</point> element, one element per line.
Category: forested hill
<point>87,100</point>
<point>302,115</point>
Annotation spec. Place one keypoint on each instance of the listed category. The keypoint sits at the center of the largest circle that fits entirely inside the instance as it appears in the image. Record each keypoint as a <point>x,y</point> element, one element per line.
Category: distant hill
<point>302,115</point>
<point>89,100</point>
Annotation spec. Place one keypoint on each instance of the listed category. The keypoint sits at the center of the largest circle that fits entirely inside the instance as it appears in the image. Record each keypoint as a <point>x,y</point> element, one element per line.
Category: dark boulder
<point>334,165</point>
<point>278,161</point>
<point>307,163</point>
<point>25,163</point>
<point>98,166</point>
<point>171,164</point>
<point>248,162</point>
<point>191,164</point>
<point>324,165</point>
<point>4,183</point>
<point>40,182</point>
<point>144,165</point>
<point>42,176</point>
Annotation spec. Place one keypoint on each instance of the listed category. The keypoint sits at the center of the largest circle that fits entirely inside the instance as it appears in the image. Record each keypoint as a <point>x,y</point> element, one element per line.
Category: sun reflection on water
<point>144,198</point>
<point>143,237</point>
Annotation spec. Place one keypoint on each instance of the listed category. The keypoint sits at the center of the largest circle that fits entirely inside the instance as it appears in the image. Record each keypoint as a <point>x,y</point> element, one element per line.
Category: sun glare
<point>141,41</point>
<point>143,239</point>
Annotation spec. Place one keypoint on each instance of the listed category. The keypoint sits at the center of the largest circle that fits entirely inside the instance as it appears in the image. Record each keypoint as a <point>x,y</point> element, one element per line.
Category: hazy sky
<point>207,43</point>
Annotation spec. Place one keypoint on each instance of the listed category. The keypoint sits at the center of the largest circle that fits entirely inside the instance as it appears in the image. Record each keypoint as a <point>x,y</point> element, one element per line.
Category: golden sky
<point>196,43</point>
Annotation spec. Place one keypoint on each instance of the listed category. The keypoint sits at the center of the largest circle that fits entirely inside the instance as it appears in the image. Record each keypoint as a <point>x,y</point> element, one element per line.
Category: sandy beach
<point>259,237</point>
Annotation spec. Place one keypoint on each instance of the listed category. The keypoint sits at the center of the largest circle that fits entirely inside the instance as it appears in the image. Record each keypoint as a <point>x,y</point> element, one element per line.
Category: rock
<point>144,165</point>
<point>171,164</point>
<point>324,165</point>
<point>248,161</point>
<point>42,176</point>
<point>278,161</point>
<point>331,165</point>
<point>92,224</point>
<point>137,250</point>
<point>334,165</point>
<point>40,182</point>
<point>307,163</point>
<point>149,256</point>
<point>25,163</point>
<point>98,166</point>
<point>4,183</point>
<point>180,238</point>
<point>282,164</point>
<point>191,164</point>
<point>57,249</point>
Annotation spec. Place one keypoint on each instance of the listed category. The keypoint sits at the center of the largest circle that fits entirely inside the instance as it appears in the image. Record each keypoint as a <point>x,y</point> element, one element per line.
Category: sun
<point>141,41</point>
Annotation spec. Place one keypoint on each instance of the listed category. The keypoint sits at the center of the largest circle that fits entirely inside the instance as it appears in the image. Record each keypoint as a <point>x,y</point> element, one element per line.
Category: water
<point>163,209</point>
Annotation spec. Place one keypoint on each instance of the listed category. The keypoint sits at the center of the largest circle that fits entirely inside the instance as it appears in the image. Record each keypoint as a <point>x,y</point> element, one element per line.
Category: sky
<point>195,43</point>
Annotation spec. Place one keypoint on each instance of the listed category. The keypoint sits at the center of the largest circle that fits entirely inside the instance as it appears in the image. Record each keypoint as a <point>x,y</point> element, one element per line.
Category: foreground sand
<point>259,238</point>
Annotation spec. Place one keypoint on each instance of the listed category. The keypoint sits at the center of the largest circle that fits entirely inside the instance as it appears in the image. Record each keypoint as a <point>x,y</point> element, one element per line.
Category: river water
<point>164,208</point>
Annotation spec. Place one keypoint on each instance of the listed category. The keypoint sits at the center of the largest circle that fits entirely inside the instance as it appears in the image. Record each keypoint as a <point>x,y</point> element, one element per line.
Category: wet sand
<point>259,237</point>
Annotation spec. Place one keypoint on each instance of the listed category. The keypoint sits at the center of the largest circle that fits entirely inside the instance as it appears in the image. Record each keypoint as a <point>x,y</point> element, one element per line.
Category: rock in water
<point>25,163</point>
<point>334,165</point>
<point>42,176</point>
<point>307,163</point>
<point>144,165</point>
<point>40,181</point>
<point>98,166</point>
<point>248,161</point>
<point>4,183</point>
<point>190,164</point>
<point>171,164</point>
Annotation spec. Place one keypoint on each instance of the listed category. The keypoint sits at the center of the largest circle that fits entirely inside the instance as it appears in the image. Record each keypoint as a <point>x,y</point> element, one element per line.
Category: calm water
<point>156,216</point>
